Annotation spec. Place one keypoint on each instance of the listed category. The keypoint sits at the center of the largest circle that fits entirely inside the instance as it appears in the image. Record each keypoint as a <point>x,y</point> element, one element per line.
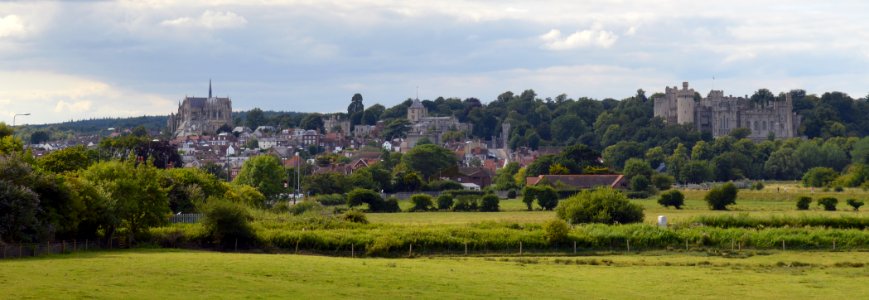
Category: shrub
<point>854,203</point>
<point>757,185</point>
<point>421,202</point>
<point>639,183</point>
<point>445,202</point>
<point>359,196</point>
<point>829,203</point>
<point>528,195</point>
<point>672,198</point>
<point>803,203</point>
<point>511,194</point>
<point>838,189</point>
<point>819,176</point>
<point>662,181</point>
<point>555,230</point>
<point>304,206</point>
<point>355,216</point>
<point>331,199</point>
<point>489,202</point>
<point>226,223</point>
<point>721,196</point>
<point>442,185</point>
<point>637,194</point>
<point>465,203</point>
<point>601,205</point>
<point>547,198</point>
<point>387,206</point>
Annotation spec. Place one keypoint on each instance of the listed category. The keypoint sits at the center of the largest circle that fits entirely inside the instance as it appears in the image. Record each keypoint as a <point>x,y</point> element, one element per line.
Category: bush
<point>637,195</point>
<point>511,194</point>
<point>489,202</point>
<point>803,203</point>
<point>304,206</point>
<point>442,185</point>
<point>601,205</point>
<point>838,189</point>
<point>331,199</point>
<point>555,230</point>
<point>854,203</point>
<point>829,203</point>
<point>672,198</point>
<point>354,216</point>
<point>721,196</point>
<point>757,185</point>
<point>528,195</point>
<point>662,182</point>
<point>819,177</point>
<point>640,183</point>
<point>421,202</point>
<point>445,202</point>
<point>388,206</point>
<point>226,223</point>
<point>465,203</point>
<point>547,197</point>
<point>359,196</point>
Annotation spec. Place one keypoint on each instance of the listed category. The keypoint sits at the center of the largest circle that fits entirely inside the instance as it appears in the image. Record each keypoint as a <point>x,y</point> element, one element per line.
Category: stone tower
<point>685,105</point>
<point>416,112</point>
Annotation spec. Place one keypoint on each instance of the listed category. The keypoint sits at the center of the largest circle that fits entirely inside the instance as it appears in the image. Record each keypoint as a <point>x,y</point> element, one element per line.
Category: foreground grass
<point>155,274</point>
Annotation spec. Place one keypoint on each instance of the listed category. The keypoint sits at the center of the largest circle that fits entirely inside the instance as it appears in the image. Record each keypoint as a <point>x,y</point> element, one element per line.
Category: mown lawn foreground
<point>160,274</point>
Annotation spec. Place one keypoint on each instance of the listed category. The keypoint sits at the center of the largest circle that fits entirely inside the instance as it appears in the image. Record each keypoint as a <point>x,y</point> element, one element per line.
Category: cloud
<point>74,107</point>
<point>52,97</point>
<point>11,26</point>
<point>553,40</point>
<point>209,20</point>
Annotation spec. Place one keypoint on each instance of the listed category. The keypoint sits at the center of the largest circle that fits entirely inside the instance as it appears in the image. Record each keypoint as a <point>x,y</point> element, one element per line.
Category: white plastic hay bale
<point>662,221</point>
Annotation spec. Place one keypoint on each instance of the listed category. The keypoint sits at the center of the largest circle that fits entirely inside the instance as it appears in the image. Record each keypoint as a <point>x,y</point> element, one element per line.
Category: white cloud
<point>74,107</point>
<point>209,20</point>
<point>11,26</point>
<point>553,40</point>
<point>53,97</point>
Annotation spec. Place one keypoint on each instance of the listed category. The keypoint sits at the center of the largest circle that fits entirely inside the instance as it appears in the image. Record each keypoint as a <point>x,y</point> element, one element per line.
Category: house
<point>579,182</point>
<point>476,175</point>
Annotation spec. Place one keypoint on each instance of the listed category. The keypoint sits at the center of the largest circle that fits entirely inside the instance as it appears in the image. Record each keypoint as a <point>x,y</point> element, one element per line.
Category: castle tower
<point>416,111</point>
<point>209,88</point>
<point>685,105</point>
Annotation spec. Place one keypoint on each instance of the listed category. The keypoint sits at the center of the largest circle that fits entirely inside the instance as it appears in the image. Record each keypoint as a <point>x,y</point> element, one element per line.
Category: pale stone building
<point>720,114</point>
<point>198,115</point>
<point>433,128</point>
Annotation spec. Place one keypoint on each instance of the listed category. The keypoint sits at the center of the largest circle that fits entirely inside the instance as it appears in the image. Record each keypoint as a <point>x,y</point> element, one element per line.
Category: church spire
<point>209,88</point>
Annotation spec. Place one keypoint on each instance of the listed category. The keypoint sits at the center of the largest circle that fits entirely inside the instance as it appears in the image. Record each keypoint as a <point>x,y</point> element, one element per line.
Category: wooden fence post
<point>74,245</point>
<point>86,245</point>
<point>574,247</point>
<point>628,241</point>
<point>410,252</point>
<point>352,251</point>
<point>783,245</point>
<point>834,244</point>
<point>236,245</point>
<point>520,247</point>
<point>466,248</point>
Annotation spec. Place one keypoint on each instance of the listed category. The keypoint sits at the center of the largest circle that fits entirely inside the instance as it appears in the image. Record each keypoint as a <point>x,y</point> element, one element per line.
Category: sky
<point>75,60</point>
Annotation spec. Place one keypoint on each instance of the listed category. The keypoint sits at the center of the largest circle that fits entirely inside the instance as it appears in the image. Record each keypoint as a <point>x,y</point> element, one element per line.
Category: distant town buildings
<point>721,114</point>
<point>198,115</point>
<point>433,128</point>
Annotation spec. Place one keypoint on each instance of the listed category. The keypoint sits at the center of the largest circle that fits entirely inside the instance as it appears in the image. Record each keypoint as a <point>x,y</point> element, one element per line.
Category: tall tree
<point>263,172</point>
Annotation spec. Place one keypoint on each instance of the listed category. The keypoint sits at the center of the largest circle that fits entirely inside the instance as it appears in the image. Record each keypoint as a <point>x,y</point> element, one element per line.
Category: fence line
<point>185,218</point>
<point>8,251</point>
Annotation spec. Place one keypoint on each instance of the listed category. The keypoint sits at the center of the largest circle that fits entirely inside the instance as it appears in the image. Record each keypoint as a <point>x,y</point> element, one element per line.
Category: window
<point>764,125</point>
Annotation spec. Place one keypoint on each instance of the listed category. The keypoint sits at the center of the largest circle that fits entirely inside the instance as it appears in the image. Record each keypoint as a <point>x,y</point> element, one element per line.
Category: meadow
<point>776,199</point>
<point>167,273</point>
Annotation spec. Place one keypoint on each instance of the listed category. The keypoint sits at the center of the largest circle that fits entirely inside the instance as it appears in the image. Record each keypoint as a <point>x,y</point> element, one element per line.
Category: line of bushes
<point>746,221</point>
<point>386,240</point>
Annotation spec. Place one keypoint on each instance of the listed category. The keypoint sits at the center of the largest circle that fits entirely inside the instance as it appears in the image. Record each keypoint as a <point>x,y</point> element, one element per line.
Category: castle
<point>721,114</point>
<point>198,115</point>
<point>433,128</point>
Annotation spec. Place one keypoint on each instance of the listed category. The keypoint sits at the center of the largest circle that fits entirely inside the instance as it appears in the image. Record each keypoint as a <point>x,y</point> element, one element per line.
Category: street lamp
<point>16,115</point>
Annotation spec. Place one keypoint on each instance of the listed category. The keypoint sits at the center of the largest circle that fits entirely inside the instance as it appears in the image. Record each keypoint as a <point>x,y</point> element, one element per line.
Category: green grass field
<point>159,274</point>
<point>777,199</point>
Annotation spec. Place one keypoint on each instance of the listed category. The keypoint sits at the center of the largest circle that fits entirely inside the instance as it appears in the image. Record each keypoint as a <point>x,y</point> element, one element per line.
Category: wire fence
<point>8,251</point>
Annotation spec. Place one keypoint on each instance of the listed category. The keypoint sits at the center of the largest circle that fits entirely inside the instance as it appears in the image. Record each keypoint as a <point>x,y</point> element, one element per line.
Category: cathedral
<point>199,115</point>
<point>721,114</point>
